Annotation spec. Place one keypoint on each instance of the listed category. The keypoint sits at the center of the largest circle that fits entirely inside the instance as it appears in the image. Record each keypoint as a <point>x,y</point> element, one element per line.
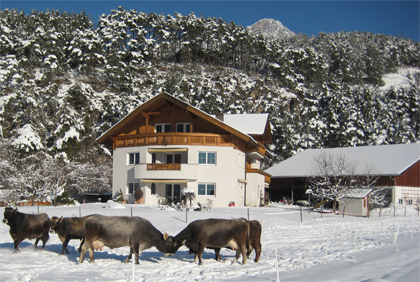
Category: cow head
<point>55,223</point>
<point>175,244</point>
<point>169,246</point>
<point>9,213</point>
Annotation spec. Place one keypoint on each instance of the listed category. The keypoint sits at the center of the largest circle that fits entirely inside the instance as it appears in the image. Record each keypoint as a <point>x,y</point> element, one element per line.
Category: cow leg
<point>36,242</point>
<point>217,252</point>
<point>82,241</point>
<point>242,249</point>
<point>127,260</point>
<point>17,242</point>
<point>200,251</point>
<point>65,243</point>
<point>84,249</point>
<point>45,238</point>
<point>91,251</point>
<point>257,252</point>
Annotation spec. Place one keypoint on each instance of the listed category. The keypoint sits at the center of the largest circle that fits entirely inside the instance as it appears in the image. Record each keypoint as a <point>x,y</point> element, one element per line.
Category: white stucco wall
<point>227,174</point>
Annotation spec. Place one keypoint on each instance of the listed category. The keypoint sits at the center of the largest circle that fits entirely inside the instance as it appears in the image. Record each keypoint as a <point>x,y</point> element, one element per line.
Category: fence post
<point>131,211</point>
<point>277,267</point>
<point>248,214</point>
<point>344,210</point>
<point>80,211</point>
<point>301,214</point>
<point>186,215</point>
<point>38,208</point>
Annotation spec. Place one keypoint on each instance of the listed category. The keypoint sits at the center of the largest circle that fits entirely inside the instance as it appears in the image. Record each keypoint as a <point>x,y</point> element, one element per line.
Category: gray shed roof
<point>384,160</point>
<point>357,193</point>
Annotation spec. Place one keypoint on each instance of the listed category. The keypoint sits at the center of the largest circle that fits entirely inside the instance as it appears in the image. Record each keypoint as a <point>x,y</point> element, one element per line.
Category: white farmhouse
<point>166,145</point>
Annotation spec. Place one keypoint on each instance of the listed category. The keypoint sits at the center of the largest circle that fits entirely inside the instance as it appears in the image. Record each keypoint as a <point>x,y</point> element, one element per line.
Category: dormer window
<point>162,127</point>
<point>182,127</point>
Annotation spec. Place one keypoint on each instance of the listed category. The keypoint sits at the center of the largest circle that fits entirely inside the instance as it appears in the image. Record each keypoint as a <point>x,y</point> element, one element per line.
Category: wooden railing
<point>172,138</point>
<point>163,166</point>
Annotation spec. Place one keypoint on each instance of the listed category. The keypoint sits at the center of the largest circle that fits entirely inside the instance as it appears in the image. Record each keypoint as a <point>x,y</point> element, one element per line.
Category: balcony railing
<point>172,138</point>
<point>163,166</point>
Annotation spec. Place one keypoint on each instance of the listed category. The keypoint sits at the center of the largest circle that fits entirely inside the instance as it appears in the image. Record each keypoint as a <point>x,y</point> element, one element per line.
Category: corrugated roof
<point>382,159</point>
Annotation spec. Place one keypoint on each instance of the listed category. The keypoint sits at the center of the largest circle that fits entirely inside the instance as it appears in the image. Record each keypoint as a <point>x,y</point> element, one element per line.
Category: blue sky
<point>396,18</point>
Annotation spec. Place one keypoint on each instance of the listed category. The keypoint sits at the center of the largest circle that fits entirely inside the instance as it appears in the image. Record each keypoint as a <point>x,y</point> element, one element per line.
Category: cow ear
<point>166,236</point>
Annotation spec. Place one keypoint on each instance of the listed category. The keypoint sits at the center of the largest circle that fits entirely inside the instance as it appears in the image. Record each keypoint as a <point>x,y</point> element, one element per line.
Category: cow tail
<point>248,234</point>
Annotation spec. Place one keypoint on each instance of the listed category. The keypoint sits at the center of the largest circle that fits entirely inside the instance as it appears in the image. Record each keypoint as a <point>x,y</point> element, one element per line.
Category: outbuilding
<point>355,202</point>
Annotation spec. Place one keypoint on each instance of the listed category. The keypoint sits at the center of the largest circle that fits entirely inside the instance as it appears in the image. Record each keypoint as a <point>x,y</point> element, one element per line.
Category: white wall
<point>227,175</point>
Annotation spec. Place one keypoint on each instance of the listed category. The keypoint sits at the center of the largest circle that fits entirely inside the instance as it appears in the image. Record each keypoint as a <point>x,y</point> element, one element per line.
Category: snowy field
<point>331,248</point>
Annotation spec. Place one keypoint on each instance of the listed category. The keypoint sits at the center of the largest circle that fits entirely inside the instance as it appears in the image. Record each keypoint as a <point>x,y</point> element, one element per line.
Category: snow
<point>331,248</point>
<point>403,78</point>
<point>28,138</point>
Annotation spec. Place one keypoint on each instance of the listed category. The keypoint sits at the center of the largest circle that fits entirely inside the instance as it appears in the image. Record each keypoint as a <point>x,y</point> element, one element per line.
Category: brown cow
<point>68,228</point>
<point>215,234</point>
<point>119,231</point>
<point>254,241</point>
<point>27,226</point>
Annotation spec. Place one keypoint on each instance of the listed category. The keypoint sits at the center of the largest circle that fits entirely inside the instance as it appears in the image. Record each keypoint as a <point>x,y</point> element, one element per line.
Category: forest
<point>65,80</point>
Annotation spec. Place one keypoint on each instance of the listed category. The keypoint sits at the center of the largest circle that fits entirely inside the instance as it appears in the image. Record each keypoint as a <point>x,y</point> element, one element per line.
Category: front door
<point>173,193</point>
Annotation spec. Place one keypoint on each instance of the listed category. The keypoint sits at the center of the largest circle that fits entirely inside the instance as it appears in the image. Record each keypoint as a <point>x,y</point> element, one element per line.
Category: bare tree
<point>334,175</point>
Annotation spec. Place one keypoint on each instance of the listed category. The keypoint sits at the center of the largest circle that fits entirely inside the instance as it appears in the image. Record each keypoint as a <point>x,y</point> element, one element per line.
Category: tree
<point>189,194</point>
<point>333,175</point>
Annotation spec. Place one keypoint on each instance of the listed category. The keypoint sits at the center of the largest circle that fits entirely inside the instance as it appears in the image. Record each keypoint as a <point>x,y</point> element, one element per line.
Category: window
<point>400,201</point>
<point>206,189</point>
<point>133,158</point>
<point>173,158</point>
<point>153,188</point>
<point>207,158</point>
<point>410,201</point>
<point>162,127</point>
<point>132,187</point>
<point>182,127</point>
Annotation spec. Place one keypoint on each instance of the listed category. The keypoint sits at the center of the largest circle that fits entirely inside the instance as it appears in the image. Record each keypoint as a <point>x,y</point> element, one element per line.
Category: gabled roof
<point>384,160</point>
<point>106,138</point>
<point>357,193</point>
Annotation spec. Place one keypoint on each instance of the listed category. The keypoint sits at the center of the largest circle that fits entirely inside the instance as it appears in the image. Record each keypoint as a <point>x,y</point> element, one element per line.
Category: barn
<point>397,168</point>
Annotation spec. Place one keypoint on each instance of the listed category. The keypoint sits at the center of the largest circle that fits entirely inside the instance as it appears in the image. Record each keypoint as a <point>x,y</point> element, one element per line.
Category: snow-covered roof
<point>253,124</point>
<point>246,120</point>
<point>385,160</point>
<point>357,193</point>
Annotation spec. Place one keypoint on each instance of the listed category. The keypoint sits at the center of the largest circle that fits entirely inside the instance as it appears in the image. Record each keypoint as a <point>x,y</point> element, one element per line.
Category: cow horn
<point>61,219</point>
<point>165,236</point>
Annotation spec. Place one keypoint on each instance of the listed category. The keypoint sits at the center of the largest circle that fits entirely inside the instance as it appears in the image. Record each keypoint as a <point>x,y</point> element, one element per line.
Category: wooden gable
<point>166,109</point>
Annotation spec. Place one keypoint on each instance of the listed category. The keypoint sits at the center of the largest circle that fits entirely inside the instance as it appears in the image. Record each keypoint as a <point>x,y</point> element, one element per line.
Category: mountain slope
<point>270,29</point>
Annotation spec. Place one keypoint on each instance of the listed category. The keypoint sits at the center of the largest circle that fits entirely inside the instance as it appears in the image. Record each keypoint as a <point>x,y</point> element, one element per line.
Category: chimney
<point>219,117</point>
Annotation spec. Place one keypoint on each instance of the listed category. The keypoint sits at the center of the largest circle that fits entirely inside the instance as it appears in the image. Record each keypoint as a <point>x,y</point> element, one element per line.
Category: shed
<point>355,202</point>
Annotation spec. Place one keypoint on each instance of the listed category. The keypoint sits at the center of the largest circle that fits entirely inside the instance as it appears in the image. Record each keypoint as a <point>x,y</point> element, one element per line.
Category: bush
<point>65,199</point>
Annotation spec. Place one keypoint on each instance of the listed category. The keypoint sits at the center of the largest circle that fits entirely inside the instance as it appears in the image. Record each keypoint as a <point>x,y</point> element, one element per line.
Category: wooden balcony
<point>163,166</point>
<point>172,138</point>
